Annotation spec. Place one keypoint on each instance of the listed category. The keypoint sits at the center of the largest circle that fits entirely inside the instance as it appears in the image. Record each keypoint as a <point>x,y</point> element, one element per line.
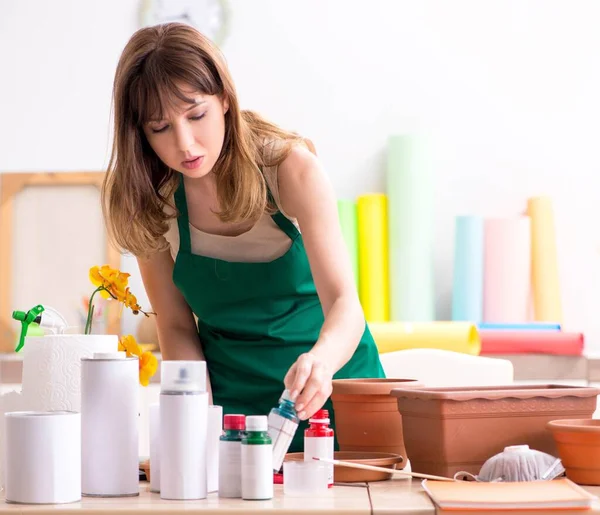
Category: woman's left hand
<point>309,381</point>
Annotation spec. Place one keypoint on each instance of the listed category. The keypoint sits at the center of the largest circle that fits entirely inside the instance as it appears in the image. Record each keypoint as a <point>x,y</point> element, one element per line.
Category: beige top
<point>264,242</point>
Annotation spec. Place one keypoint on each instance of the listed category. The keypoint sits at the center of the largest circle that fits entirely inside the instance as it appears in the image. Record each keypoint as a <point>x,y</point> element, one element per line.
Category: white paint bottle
<point>257,460</point>
<point>230,456</point>
<point>318,441</point>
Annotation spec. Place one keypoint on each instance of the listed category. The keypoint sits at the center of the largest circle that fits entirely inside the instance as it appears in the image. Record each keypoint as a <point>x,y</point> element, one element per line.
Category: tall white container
<point>154,416</point>
<point>109,425</point>
<point>214,432</point>
<point>183,430</point>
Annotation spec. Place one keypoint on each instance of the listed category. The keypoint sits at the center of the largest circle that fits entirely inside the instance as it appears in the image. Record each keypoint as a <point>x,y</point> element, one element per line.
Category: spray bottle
<point>44,317</point>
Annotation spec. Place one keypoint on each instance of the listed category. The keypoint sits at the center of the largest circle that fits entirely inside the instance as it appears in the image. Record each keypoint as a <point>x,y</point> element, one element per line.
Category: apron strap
<point>282,221</point>
<point>183,221</point>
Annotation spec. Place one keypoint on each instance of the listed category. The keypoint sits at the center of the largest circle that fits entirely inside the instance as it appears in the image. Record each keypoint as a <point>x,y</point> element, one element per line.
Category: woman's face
<point>190,136</point>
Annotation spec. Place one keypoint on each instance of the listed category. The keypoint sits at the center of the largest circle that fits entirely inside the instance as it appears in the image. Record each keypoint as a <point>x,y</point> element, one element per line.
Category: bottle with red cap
<point>230,456</point>
<point>318,441</point>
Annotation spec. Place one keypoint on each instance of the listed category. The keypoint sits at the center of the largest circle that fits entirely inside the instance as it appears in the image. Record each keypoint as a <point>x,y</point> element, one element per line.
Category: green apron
<point>255,319</point>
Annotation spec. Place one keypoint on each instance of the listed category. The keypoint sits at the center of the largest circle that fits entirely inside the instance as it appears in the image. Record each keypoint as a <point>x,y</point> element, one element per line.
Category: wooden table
<point>394,497</point>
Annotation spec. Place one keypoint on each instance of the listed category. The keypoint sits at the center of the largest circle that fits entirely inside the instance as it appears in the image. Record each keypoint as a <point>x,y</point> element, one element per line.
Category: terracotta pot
<point>367,416</point>
<point>578,443</point>
<point>448,430</point>
<point>351,475</point>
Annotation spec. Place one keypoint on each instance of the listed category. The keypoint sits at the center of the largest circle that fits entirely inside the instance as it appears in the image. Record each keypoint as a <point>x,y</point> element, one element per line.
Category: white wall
<point>510,90</point>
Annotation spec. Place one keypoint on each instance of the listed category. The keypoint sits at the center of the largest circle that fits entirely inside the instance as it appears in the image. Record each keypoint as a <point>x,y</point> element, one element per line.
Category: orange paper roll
<point>373,257</point>
<point>544,261</point>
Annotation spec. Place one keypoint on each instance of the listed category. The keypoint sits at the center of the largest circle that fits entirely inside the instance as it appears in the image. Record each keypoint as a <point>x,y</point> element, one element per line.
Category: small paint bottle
<point>283,422</point>
<point>230,456</point>
<point>257,456</point>
<point>318,441</point>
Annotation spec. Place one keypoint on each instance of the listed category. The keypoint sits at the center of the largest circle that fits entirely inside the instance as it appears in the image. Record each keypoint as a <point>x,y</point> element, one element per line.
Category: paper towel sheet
<point>52,368</point>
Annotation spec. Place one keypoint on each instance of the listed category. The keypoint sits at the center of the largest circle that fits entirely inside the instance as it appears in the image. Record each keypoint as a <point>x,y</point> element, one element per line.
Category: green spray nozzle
<point>26,318</point>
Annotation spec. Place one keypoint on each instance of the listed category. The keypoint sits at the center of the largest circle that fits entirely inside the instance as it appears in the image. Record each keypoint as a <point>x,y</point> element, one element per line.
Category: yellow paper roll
<point>373,256</point>
<point>544,261</point>
<point>454,336</point>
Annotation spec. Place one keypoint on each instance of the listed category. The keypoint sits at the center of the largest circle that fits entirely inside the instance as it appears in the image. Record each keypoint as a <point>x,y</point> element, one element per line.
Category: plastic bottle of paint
<point>283,422</point>
<point>318,441</point>
<point>230,456</point>
<point>257,456</point>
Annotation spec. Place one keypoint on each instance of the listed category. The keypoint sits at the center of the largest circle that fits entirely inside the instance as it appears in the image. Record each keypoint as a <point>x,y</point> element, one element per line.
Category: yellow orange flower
<point>128,345</point>
<point>147,361</point>
<point>113,282</point>
<point>148,367</point>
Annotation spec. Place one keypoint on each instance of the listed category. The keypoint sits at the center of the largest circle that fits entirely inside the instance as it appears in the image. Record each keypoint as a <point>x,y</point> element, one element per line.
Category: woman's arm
<point>307,195</point>
<point>175,324</point>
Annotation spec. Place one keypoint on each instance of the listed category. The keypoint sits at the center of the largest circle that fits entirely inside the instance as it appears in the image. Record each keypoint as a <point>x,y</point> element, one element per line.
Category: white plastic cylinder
<point>154,419</point>
<point>109,425</point>
<point>183,430</point>
<point>43,457</point>
<point>214,431</point>
<point>257,463</point>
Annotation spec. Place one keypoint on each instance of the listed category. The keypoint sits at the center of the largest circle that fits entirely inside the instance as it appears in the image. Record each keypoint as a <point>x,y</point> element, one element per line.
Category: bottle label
<point>281,431</point>
<point>257,475</point>
<point>230,469</point>
<point>321,447</point>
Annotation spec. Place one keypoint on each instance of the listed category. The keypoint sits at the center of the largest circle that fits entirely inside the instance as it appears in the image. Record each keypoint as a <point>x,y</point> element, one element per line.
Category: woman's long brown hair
<point>138,185</point>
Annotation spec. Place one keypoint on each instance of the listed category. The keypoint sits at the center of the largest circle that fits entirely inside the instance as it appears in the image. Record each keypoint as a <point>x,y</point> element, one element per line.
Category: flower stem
<point>88,322</point>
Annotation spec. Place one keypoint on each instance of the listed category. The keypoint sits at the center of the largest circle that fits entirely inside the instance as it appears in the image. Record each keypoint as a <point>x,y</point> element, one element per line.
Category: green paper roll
<point>410,221</point>
<point>347,215</point>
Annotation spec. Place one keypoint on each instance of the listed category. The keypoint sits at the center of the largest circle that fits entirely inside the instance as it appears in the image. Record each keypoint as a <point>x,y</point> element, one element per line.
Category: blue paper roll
<point>533,326</point>
<point>467,293</point>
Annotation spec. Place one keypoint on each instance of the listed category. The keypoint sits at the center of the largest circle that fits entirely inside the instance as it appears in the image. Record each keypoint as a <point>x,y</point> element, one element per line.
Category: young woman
<point>235,227</point>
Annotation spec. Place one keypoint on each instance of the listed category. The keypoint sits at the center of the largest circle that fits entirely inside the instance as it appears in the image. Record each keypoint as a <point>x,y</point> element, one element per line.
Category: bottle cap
<point>234,422</point>
<point>285,396</point>
<point>183,376</point>
<point>320,417</point>
<point>257,423</point>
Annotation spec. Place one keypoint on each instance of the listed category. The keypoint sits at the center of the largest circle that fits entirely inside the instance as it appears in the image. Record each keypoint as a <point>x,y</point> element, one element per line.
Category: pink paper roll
<point>531,342</point>
<point>507,269</point>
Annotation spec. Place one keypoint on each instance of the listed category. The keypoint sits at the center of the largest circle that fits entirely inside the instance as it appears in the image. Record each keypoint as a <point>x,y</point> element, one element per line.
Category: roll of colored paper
<point>410,211</point>
<point>467,292</point>
<point>547,304</point>
<point>507,265</point>
<point>373,256</point>
<point>347,215</point>
<point>453,336</point>
<point>531,342</point>
<point>531,326</point>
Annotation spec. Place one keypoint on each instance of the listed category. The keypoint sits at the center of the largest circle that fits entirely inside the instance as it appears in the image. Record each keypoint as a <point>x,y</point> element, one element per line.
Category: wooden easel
<point>10,185</point>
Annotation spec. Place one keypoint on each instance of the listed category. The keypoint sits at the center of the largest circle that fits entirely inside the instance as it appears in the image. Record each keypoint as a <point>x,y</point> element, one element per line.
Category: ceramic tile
<point>401,497</point>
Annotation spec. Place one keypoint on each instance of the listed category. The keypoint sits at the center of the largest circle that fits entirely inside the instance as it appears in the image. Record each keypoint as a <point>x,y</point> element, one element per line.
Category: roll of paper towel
<point>52,368</point>
<point>214,431</point>
<point>9,401</point>
<point>43,459</point>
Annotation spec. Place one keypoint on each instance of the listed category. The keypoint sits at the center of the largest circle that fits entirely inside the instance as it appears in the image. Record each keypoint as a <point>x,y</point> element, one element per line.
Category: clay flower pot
<point>578,443</point>
<point>367,416</point>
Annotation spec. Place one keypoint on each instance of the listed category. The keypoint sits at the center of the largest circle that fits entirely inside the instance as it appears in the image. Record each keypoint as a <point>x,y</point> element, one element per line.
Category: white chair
<point>435,367</point>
